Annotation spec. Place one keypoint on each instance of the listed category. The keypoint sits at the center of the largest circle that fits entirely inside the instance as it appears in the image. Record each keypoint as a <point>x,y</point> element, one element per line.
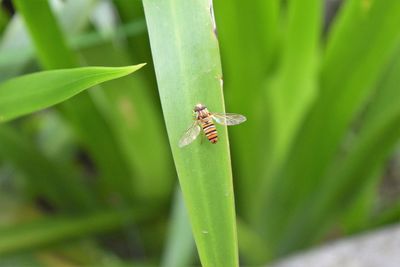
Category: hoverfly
<point>203,119</point>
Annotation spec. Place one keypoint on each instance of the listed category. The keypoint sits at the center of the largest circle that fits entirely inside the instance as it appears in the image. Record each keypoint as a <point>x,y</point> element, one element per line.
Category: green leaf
<point>291,93</point>
<point>180,244</point>
<point>180,247</point>
<point>379,134</point>
<point>186,57</point>
<point>344,90</point>
<point>248,36</point>
<point>33,92</point>
<point>295,86</point>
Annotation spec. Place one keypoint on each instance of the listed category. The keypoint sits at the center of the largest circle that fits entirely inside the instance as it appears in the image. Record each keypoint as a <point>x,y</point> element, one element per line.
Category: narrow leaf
<point>186,57</point>
<point>180,247</point>
<point>291,93</point>
<point>378,136</point>
<point>295,87</point>
<point>248,36</point>
<point>344,90</point>
<point>30,93</point>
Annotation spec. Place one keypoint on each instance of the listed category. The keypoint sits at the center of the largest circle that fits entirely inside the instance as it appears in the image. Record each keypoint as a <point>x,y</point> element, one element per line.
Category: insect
<point>203,119</point>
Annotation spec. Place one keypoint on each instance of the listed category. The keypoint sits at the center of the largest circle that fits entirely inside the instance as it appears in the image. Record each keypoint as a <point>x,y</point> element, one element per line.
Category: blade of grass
<point>33,92</point>
<point>180,247</point>
<point>249,37</point>
<point>292,91</point>
<point>180,243</point>
<point>295,86</point>
<point>188,71</point>
<point>50,230</point>
<point>365,60</point>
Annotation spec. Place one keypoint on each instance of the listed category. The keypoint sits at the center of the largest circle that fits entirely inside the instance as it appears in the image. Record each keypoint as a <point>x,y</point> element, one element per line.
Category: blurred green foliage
<point>91,181</point>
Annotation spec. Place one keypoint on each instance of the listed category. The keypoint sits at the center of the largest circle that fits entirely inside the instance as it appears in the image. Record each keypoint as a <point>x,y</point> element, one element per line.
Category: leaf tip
<point>138,66</point>
<point>133,68</point>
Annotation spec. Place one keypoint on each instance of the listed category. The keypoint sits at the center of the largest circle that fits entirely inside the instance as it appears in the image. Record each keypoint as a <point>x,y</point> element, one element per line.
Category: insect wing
<point>228,118</point>
<point>190,135</point>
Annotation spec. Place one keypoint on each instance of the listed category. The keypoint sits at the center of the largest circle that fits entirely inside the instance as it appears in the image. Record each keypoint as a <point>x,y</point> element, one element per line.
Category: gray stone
<point>380,248</point>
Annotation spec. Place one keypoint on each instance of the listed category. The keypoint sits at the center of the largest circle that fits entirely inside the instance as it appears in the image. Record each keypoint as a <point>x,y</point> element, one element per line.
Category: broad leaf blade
<point>30,93</point>
<point>186,57</point>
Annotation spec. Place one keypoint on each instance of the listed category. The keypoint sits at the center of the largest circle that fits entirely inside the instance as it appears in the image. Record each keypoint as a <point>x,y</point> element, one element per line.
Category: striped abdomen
<point>210,131</point>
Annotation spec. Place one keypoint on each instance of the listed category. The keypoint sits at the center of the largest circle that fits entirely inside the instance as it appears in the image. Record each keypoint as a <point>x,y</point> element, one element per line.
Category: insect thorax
<point>203,114</point>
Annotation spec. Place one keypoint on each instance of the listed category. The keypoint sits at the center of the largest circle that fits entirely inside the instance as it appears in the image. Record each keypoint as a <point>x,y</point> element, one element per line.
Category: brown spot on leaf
<point>127,111</point>
<point>366,5</point>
